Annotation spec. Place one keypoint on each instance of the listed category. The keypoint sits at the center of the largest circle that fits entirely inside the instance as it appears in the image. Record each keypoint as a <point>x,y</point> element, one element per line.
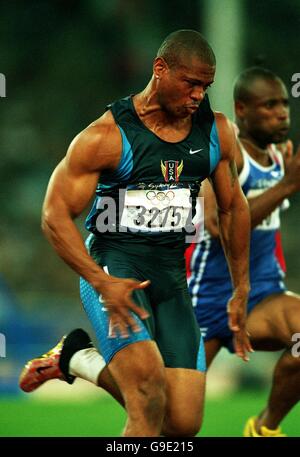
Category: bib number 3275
<point>156,210</point>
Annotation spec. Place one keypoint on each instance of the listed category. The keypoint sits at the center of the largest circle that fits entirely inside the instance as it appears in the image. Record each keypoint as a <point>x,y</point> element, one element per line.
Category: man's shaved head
<point>243,85</point>
<point>184,44</point>
<point>261,106</point>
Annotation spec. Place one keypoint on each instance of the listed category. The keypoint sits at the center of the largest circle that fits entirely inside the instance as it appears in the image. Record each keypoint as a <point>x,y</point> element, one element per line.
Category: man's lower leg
<point>285,392</point>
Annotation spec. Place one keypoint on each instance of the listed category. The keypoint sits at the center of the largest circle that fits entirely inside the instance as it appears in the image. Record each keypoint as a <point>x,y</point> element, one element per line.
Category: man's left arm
<point>234,226</point>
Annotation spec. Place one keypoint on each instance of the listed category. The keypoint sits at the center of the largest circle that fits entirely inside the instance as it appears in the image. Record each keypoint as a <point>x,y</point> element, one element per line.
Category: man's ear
<point>160,66</point>
<point>240,109</point>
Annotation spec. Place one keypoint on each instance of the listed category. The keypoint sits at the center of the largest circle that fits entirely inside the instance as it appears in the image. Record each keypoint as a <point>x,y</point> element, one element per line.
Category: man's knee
<point>149,394</point>
<point>152,384</point>
<point>273,322</point>
<point>140,374</point>
<point>292,316</point>
<point>183,425</point>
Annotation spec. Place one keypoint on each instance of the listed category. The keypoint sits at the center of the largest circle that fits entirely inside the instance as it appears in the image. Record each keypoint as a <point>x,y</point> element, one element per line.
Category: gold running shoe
<point>265,432</point>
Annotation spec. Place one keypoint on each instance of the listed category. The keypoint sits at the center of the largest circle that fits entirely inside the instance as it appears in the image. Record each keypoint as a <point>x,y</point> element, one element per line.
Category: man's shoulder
<point>101,127</point>
<point>100,132</point>
<point>99,142</point>
<point>226,134</point>
<point>222,121</point>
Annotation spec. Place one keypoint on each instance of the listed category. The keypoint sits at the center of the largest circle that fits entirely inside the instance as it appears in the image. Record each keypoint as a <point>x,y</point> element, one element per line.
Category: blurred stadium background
<point>64,61</point>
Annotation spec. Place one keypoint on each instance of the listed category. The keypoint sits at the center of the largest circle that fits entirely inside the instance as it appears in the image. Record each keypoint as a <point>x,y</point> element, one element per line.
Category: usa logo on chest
<point>171,170</point>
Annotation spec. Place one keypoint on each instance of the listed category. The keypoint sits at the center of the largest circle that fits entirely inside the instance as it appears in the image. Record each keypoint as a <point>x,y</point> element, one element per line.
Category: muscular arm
<point>233,211</point>
<point>234,227</point>
<point>70,189</point>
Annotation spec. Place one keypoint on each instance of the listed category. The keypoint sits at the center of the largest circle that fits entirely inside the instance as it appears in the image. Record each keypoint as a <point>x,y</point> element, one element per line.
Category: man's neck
<point>158,120</point>
<point>258,153</point>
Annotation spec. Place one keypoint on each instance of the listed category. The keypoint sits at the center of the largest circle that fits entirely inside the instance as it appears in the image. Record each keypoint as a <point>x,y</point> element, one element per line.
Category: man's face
<point>266,117</point>
<point>182,89</point>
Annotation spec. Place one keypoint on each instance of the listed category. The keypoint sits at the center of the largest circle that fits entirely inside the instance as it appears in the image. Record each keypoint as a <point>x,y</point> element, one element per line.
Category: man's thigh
<point>99,318</point>
<point>120,264</point>
<point>274,320</point>
<point>137,365</point>
<point>177,333</point>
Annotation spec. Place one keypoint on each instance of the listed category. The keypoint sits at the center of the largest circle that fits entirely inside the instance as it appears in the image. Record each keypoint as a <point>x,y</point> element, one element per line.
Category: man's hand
<point>116,297</point>
<point>292,173</point>
<point>287,150</point>
<point>236,309</point>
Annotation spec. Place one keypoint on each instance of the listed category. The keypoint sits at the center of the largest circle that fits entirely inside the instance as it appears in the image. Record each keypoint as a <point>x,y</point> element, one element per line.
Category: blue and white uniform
<point>210,283</point>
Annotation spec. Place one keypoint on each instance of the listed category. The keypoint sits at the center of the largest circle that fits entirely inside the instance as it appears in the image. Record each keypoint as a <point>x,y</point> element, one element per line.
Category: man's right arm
<point>70,189</point>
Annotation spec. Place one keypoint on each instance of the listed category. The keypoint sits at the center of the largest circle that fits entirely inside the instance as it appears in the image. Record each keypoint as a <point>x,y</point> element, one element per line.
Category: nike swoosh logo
<point>41,369</point>
<point>196,150</point>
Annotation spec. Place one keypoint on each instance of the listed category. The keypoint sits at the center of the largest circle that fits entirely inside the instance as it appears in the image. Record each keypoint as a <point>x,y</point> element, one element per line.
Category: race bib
<point>156,210</point>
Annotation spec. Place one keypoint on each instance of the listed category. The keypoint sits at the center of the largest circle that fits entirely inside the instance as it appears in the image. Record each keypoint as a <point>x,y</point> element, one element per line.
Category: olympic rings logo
<point>160,197</point>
